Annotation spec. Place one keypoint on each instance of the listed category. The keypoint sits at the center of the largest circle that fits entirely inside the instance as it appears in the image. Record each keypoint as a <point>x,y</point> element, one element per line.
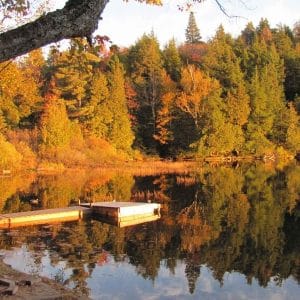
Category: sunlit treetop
<point>78,18</point>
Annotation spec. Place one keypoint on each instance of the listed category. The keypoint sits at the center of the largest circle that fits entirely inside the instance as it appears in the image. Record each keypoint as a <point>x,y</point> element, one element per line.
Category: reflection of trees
<point>194,231</point>
<point>244,220</point>
<point>10,188</point>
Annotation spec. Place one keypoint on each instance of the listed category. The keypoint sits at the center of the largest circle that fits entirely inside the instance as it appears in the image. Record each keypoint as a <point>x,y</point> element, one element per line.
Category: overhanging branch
<point>79,18</point>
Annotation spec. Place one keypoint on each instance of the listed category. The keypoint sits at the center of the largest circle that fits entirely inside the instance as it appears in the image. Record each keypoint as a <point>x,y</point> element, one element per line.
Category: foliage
<point>10,158</point>
<point>229,96</point>
<point>192,33</point>
<point>55,126</point>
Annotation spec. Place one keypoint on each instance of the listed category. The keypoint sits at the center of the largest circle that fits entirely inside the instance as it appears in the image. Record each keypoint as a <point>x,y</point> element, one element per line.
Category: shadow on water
<point>234,229</point>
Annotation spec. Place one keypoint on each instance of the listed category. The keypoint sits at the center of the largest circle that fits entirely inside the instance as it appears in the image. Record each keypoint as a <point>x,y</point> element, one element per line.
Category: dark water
<point>225,233</point>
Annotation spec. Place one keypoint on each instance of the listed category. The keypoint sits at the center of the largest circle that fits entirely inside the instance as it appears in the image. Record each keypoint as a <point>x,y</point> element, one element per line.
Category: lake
<point>225,232</point>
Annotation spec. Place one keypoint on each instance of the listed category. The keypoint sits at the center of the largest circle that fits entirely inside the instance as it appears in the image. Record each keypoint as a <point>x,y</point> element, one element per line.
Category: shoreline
<point>39,288</point>
<point>150,165</point>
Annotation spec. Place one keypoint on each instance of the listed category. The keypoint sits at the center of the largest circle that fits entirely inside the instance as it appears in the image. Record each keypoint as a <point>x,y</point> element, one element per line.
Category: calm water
<point>225,233</point>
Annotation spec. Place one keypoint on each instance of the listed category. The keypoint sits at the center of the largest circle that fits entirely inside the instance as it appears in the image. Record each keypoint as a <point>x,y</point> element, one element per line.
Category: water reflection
<point>225,230</point>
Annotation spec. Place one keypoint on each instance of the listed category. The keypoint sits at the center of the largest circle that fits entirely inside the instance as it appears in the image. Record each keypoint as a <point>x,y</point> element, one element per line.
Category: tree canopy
<point>78,18</point>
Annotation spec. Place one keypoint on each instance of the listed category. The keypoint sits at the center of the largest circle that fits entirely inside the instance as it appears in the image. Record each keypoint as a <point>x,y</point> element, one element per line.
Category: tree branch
<point>79,18</point>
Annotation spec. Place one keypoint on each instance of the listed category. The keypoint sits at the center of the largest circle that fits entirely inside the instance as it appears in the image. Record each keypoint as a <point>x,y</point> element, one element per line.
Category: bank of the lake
<point>39,287</point>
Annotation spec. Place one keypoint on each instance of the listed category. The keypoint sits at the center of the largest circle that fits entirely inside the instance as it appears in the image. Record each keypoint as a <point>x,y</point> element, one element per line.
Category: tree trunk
<point>79,18</point>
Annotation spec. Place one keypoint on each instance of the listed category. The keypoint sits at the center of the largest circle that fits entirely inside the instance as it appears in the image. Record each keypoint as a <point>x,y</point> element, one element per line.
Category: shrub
<point>10,158</point>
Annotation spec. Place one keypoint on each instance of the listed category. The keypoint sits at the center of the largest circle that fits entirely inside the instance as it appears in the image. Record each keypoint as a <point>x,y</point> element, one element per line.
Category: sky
<point>124,23</point>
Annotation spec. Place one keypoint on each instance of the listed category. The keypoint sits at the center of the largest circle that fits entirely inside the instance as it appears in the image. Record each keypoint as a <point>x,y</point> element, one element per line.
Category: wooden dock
<point>44,216</point>
<point>124,211</point>
<point>117,213</point>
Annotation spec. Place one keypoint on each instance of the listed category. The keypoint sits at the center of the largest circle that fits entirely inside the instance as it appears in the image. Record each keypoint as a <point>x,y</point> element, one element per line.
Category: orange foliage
<point>192,53</point>
<point>196,86</point>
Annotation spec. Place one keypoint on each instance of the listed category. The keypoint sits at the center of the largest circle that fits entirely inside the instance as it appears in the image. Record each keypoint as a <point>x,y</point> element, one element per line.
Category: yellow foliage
<point>10,158</point>
<point>196,86</point>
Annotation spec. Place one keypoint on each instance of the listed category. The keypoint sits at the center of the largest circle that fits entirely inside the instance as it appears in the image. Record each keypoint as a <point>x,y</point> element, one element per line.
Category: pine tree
<point>260,120</point>
<point>264,30</point>
<point>293,130</point>
<point>192,33</point>
<point>100,113</point>
<point>73,73</point>
<point>120,133</point>
<point>222,63</point>
<point>248,34</point>
<point>172,61</point>
<point>146,68</point>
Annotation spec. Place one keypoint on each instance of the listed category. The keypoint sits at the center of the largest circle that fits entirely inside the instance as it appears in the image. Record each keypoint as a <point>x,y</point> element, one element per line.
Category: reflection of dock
<point>117,213</point>
<point>125,223</point>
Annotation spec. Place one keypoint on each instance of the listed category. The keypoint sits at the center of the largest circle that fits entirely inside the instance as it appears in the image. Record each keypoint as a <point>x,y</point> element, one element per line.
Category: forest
<point>90,105</point>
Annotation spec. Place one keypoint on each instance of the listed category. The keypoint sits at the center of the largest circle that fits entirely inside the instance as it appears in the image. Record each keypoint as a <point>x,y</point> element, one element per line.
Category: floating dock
<point>123,210</point>
<point>44,216</point>
<point>120,214</point>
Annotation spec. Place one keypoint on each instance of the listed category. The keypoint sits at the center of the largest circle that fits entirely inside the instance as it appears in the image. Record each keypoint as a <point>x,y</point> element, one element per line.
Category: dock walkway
<point>121,213</point>
<point>44,216</point>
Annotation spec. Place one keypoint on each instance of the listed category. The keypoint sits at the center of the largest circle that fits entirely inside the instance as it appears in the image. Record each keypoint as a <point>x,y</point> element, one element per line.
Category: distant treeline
<point>88,105</point>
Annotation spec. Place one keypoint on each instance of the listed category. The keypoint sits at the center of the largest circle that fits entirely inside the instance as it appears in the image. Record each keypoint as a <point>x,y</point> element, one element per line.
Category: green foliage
<point>119,134</point>
<point>293,130</point>
<point>227,96</point>
<point>74,72</point>
<point>172,61</point>
<point>146,71</point>
<point>100,112</point>
<point>192,33</point>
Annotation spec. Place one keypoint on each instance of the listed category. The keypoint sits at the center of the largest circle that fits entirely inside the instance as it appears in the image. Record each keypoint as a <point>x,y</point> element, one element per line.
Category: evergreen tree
<point>100,113</point>
<point>264,31</point>
<point>293,130</point>
<point>172,61</point>
<point>192,33</point>
<point>146,71</point>
<point>120,133</point>
<point>261,118</point>
<point>222,63</point>
<point>248,34</point>
<point>73,73</point>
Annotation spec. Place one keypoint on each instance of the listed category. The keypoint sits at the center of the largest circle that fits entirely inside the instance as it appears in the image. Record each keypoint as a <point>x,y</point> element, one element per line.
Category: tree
<point>100,114</point>
<point>10,157</point>
<point>196,87</point>
<point>55,126</point>
<point>78,18</point>
<point>73,72</point>
<point>146,71</point>
<point>119,133</point>
<point>19,94</point>
<point>172,61</point>
<point>165,116</point>
<point>222,63</point>
<point>192,33</point>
